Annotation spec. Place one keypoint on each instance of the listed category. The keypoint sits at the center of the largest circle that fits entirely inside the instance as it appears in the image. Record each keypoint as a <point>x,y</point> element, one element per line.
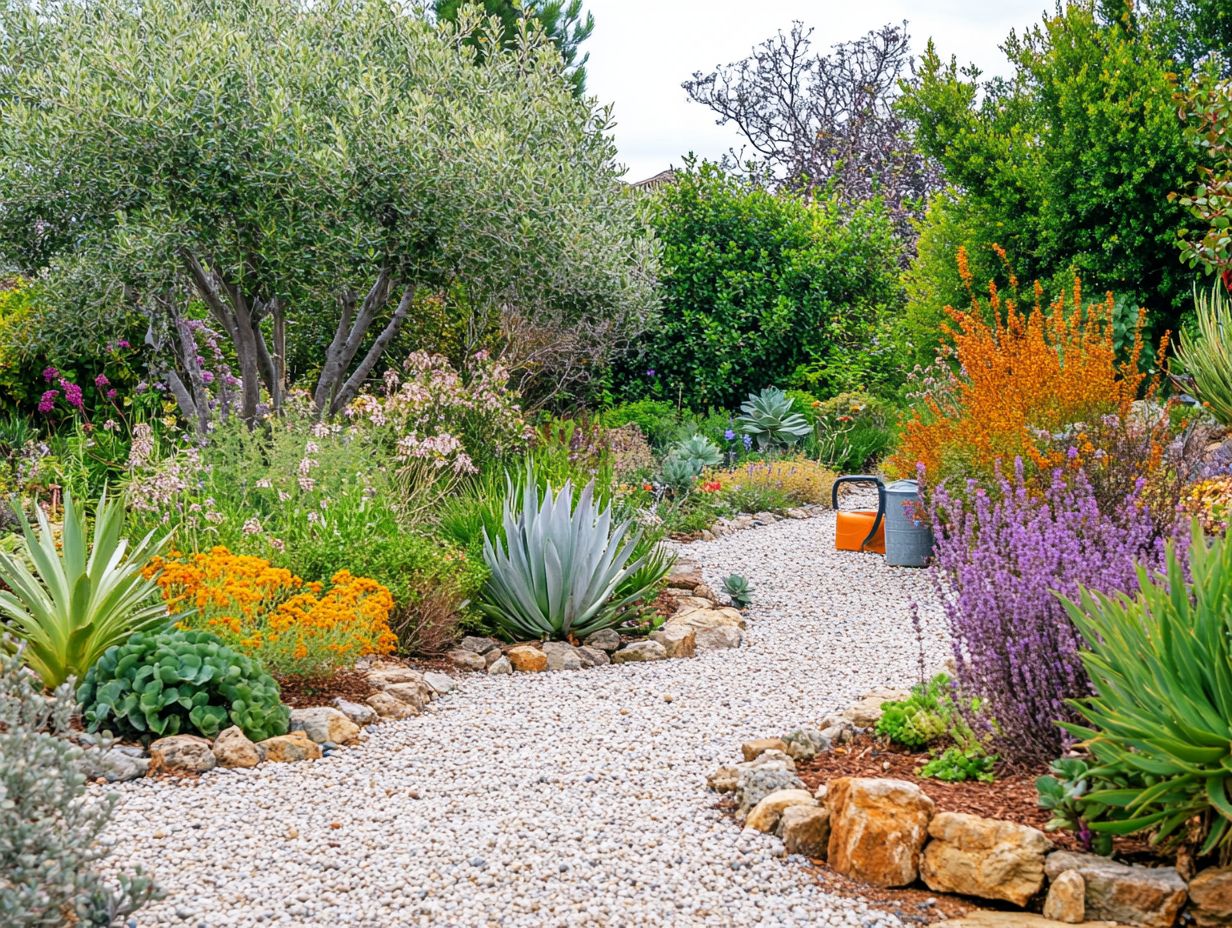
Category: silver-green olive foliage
<point>310,171</point>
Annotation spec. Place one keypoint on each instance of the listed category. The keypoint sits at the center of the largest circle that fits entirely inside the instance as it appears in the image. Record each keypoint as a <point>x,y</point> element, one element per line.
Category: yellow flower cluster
<point>294,628</point>
<point>804,481</point>
<point>1210,501</point>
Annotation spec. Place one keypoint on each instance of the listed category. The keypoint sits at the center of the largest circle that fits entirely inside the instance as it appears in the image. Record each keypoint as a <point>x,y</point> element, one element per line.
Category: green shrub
<point>564,566</point>
<point>49,826</point>
<point>1160,665</point>
<point>756,496</point>
<point>955,765</point>
<point>72,598</point>
<point>693,513</point>
<point>658,419</point>
<point>165,684</point>
<point>854,431</point>
<point>921,719</point>
<point>754,284</point>
<point>1064,792</point>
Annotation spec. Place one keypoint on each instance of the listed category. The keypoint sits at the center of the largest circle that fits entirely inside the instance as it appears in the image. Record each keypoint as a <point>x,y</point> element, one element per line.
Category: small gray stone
<point>356,712</point>
<point>181,754</point>
<point>479,645</point>
<point>562,656</point>
<point>593,657</point>
<point>467,660</point>
<point>806,743</point>
<point>607,639</point>
<point>500,666</point>
<point>115,765</point>
<point>756,784</point>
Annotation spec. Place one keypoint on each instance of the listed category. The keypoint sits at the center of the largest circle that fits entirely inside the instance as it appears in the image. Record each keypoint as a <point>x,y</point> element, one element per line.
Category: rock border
<point>886,832</point>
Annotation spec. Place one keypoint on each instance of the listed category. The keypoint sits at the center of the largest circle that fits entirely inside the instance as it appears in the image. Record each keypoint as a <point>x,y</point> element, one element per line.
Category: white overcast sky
<point>641,50</point>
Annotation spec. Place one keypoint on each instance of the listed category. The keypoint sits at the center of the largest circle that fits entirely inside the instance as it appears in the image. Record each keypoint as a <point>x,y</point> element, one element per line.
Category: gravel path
<point>556,799</point>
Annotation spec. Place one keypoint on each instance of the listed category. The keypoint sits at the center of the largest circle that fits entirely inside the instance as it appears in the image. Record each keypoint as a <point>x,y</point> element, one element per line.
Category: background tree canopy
<point>561,20</point>
<point>755,284</point>
<point>1067,164</point>
<point>309,175</point>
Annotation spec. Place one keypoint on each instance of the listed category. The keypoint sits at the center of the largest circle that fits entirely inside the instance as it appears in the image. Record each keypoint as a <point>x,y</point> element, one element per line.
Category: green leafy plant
<point>956,765</point>
<point>678,473</point>
<point>770,418</point>
<point>561,566</point>
<point>921,719</point>
<point>1160,665</point>
<point>173,682</point>
<point>1207,355</point>
<point>49,826</point>
<point>738,589</point>
<point>659,420</point>
<point>71,602</point>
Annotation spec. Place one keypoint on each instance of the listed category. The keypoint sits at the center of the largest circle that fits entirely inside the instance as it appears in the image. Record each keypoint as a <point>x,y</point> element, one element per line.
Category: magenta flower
<point>111,394</point>
<point>50,374</point>
<point>101,381</point>
<point>123,343</point>
<point>72,393</point>
<point>48,401</point>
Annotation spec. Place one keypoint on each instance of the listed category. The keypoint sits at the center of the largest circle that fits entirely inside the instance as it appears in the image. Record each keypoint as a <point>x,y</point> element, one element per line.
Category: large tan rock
<point>699,618</point>
<point>982,919</point>
<point>805,830</point>
<point>286,749</point>
<point>417,693</point>
<point>984,857</point>
<point>677,640</point>
<point>1147,897</point>
<point>640,651</point>
<point>867,712</point>
<point>1210,898</point>
<point>390,707</point>
<point>765,815</point>
<point>1066,900</point>
<point>684,575</point>
<point>527,658</point>
<point>233,749</point>
<point>325,723</point>
<point>877,828</point>
<point>718,639</point>
<point>181,755</point>
<point>383,674</point>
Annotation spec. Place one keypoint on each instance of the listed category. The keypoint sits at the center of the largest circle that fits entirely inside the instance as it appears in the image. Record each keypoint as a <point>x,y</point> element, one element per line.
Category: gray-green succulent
<point>563,565</point>
<point>770,419</point>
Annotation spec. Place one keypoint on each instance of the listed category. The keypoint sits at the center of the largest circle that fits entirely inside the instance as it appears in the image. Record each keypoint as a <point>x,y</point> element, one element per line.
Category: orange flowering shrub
<point>294,628</point>
<point>1017,382</point>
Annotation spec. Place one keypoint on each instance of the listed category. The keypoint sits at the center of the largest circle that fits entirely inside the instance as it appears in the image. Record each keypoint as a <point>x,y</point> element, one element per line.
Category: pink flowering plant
<point>453,420</point>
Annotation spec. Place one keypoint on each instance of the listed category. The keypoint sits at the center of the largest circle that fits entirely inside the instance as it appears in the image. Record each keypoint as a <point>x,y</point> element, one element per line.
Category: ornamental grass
<point>294,628</point>
<point>1014,379</point>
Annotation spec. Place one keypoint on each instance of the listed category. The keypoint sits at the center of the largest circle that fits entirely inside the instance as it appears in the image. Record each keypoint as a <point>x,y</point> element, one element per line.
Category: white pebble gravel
<point>557,799</point>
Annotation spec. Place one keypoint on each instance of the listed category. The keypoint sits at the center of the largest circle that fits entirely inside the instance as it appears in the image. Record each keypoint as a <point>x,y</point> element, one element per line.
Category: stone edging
<point>887,833</point>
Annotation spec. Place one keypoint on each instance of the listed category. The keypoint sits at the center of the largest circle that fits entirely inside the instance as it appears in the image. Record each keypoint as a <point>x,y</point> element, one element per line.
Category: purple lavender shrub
<point>1001,558</point>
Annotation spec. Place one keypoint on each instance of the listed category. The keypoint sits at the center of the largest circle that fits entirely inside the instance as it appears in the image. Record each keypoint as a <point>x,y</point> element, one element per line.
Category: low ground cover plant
<point>180,682</point>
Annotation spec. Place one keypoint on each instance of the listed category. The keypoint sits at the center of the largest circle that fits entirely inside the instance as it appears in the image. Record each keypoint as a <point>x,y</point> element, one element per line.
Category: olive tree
<point>308,172</point>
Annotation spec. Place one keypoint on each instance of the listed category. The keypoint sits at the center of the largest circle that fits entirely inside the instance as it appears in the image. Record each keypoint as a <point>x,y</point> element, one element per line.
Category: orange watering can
<point>860,529</point>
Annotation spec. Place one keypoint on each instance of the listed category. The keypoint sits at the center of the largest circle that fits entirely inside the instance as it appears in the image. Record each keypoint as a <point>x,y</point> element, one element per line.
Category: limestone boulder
<point>500,667</point>
<point>115,765</point>
<point>325,723</point>
<point>480,645</point>
<point>606,639</point>
<point>181,755</point>
<point>441,683</point>
<point>526,658</point>
<point>988,919</point>
<point>677,640</point>
<point>382,675</point>
<point>754,749</point>
<point>593,657</point>
<point>867,712</point>
<point>877,829</point>
<point>805,830</point>
<point>232,748</point>
<point>1146,897</point>
<point>717,639</point>
<point>684,575</point>
<point>765,815</point>
<point>640,651</point>
<point>417,694</point>
<point>707,617</point>
<point>390,707</point>
<point>290,748</point>
<point>984,857</point>
<point>562,656</point>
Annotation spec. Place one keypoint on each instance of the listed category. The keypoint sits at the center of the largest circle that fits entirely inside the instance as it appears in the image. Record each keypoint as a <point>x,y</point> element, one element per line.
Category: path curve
<point>559,799</point>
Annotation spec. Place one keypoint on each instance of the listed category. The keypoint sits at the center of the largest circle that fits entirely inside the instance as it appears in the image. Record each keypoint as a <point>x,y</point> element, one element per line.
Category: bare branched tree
<point>814,119</point>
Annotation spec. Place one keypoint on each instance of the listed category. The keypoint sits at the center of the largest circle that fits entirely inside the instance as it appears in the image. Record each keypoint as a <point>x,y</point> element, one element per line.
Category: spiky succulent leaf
<point>769,417</point>
<point>563,568</point>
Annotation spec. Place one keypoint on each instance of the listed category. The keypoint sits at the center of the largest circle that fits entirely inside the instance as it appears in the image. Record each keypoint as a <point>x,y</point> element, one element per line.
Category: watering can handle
<point>881,499</point>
